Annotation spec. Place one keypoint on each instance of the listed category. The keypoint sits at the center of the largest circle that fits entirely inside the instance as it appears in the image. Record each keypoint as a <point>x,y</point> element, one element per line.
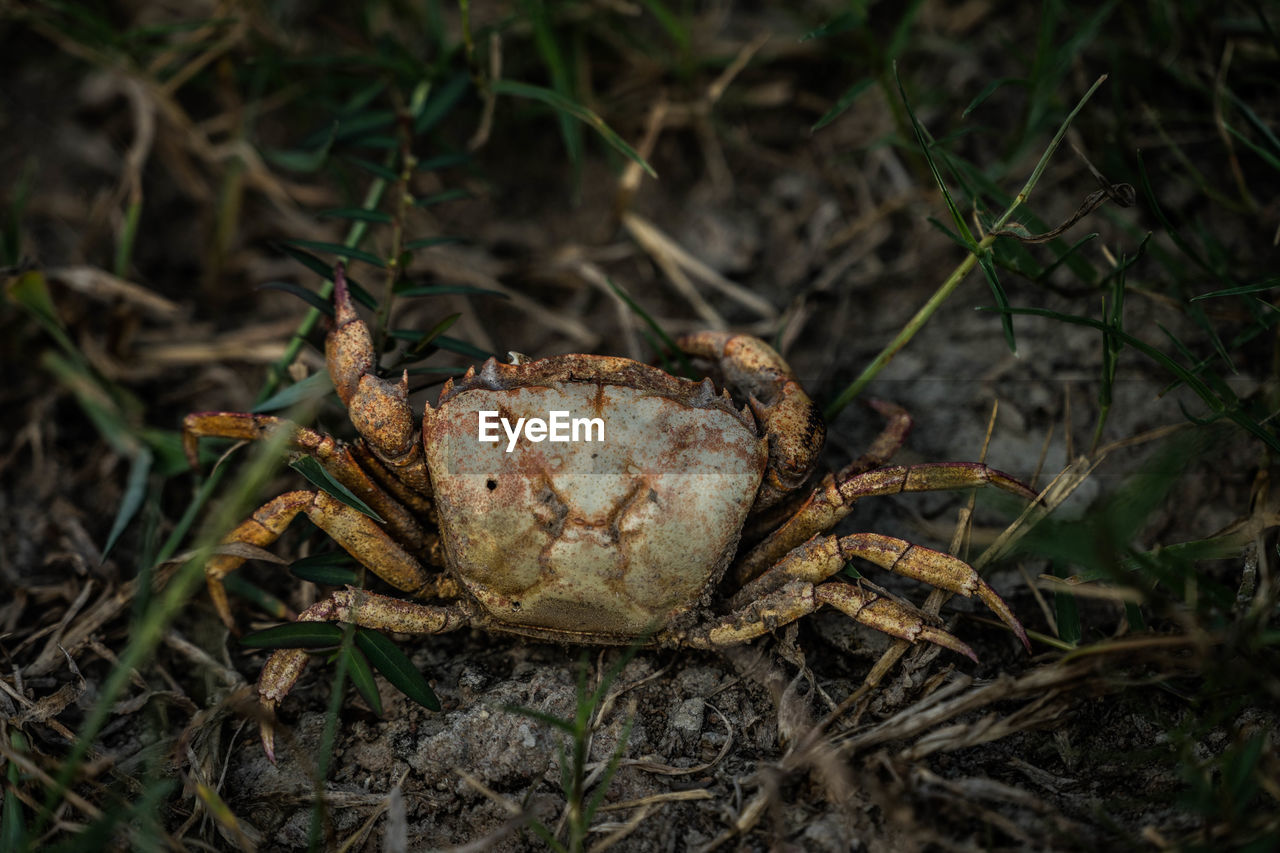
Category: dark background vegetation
<point>178,176</point>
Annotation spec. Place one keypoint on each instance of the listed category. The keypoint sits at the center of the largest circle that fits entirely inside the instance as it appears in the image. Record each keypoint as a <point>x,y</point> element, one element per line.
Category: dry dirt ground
<point>826,240</point>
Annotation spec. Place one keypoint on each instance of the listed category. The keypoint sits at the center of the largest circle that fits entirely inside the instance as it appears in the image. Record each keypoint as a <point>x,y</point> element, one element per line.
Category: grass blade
<point>134,492</point>
<point>386,656</point>
<point>317,475</point>
<point>843,103</point>
<point>572,108</point>
<point>444,289</point>
<point>335,568</point>
<point>341,251</point>
<point>295,635</point>
<point>359,214</point>
<point>361,675</point>
<point>307,295</point>
<point>314,387</point>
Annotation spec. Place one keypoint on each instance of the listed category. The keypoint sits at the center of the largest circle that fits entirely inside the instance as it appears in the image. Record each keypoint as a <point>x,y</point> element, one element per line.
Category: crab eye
<point>491,484</point>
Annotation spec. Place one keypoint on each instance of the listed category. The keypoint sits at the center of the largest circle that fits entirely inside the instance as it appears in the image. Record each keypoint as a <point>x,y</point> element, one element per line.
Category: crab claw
<point>267,729</point>
<point>996,604</point>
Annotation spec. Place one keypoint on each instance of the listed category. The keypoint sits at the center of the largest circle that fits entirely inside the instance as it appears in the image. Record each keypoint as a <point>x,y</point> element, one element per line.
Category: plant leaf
<point>314,387</point>
<point>315,472</point>
<point>134,491</point>
<point>396,666</point>
<point>295,635</point>
<point>335,568</point>
<point>359,214</point>
<point>443,289</point>
<point>428,242</point>
<point>571,107</point>
<point>341,251</point>
<point>362,677</point>
<point>315,300</point>
<point>667,340</point>
<point>376,169</point>
<point>842,103</point>
<point>441,197</point>
<point>461,347</point>
<point>988,90</point>
<point>422,340</point>
<point>302,160</point>
<point>444,161</point>
<point>1002,301</point>
<point>922,139</point>
<point>441,101</point>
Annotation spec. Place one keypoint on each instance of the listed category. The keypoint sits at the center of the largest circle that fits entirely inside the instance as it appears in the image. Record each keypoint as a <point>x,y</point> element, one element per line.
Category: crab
<point>633,538</point>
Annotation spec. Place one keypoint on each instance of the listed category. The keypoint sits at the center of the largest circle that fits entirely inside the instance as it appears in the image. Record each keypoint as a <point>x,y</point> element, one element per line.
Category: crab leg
<point>356,532</point>
<point>337,458</point>
<point>882,449</point>
<point>833,499</point>
<point>365,609</point>
<point>790,420</point>
<point>821,557</point>
<point>798,598</point>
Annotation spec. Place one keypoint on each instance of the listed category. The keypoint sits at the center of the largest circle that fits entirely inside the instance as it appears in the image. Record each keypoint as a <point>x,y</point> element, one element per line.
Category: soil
<point>830,231</point>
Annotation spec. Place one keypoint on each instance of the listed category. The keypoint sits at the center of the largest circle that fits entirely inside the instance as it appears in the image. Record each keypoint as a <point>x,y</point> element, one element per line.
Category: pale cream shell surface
<point>611,537</point>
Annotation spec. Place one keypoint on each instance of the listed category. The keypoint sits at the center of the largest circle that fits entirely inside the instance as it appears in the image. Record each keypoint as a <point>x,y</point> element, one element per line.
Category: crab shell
<point>602,538</point>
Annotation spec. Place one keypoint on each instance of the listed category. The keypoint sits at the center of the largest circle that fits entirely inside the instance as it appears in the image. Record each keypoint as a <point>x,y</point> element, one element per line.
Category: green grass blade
<point>1260,287</point>
<point>304,161</point>
<point>322,479</point>
<point>669,22</point>
<point>926,148</point>
<point>1067,613</point>
<point>295,635</point>
<point>443,161</point>
<point>989,90</point>
<point>325,271</point>
<point>341,251</point>
<point>843,103</point>
<point>1001,300</point>
<point>361,674</point>
<point>686,366</point>
<point>128,238</point>
<point>314,387</point>
<point>386,656</point>
<point>307,295</point>
<point>953,281</point>
<point>378,170</point>
<point>13,823</point>
<point>461,347</point>
<point>572,108</point>
<point>443,99</point>
<point>1202,390</point>
<point>334,568</point>
<point>442,197</point>
<point>422,344</point>
<point>356,214</point>
<point>257,597</point>
<point>445,289</point>
<point>135,491</point>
